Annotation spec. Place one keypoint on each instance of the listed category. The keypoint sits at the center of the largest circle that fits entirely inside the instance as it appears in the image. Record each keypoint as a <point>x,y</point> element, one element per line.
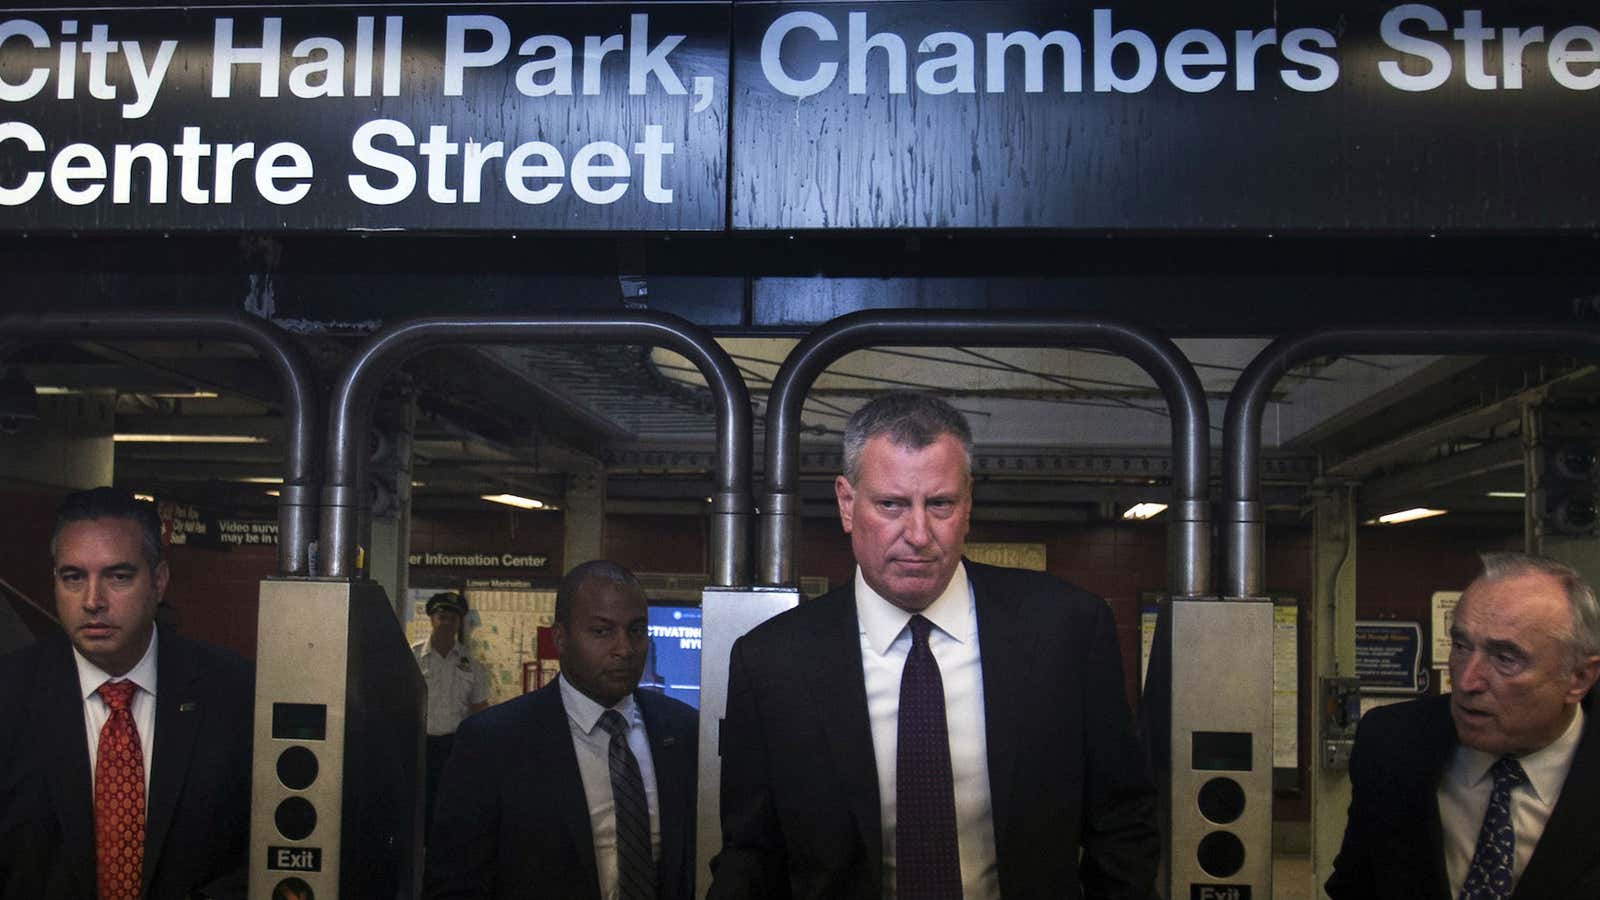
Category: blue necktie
<point>927,856</point>
<point>636,870</point>
<point>1489,875</point>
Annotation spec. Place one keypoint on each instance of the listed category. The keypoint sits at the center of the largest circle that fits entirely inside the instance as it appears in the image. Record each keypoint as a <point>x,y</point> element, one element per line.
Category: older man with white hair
<point>1492,791</point>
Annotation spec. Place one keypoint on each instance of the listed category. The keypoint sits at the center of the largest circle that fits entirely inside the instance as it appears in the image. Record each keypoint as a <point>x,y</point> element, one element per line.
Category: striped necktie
<point>636,870</point>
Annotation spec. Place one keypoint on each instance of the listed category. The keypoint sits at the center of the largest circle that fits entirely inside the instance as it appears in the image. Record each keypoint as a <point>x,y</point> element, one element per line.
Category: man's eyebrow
<point>1501,646</point>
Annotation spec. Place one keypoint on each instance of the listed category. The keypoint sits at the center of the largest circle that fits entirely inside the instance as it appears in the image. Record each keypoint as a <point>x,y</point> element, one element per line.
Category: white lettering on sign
<point>535,172</point>
<point>480,560</point>
<point>1419,32</point>
<point>687,636</point>
<point>1194,60</point>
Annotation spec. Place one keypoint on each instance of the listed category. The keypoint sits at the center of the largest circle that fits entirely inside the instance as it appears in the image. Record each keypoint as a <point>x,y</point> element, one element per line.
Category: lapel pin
<point>188,707</point>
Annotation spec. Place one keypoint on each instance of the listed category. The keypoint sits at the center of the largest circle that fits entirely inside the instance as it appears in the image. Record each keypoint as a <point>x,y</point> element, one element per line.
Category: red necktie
<point>119,797</point>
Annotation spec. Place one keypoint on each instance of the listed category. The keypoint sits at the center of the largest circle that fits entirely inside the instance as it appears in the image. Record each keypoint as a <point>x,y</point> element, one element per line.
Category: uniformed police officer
<point>458,686</point>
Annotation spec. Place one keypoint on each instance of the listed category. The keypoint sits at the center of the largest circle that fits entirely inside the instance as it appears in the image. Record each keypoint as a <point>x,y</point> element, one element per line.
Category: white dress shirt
<point>456,683</point>
<point>95,711</point>
<point>1464,798</point>
<point>593,746</point>
<point>885,643</point>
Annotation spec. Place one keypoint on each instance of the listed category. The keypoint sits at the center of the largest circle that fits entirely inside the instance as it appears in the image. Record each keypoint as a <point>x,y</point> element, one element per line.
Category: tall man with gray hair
<point>935,728</point>
<point>1491,791</point>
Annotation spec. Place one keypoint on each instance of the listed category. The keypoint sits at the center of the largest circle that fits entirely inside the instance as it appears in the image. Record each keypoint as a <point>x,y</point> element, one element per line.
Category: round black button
<point>296,818</point>
<point>292,888</point>
<point>1221,800</point>
<point>1221,854</point>
<point>297,768</point>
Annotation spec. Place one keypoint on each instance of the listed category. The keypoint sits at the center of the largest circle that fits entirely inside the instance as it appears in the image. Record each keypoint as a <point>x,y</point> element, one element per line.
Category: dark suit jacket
<point>800,785</point>
<point>197,827</point>
<point>1393,844</point>
<point>511,818</point>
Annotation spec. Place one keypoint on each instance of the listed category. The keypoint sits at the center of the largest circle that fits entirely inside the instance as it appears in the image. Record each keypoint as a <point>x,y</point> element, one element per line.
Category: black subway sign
<point>711,116</point>
<point>559,116</point>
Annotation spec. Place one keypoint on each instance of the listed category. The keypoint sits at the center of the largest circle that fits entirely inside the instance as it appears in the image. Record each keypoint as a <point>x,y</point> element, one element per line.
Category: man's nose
<point>94,596</point>
<point>917,532</point>
<point>1471,676</point>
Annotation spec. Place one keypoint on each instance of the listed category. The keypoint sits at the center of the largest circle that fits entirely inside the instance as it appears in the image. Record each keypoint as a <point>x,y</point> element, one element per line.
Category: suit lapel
<point>1438,745</point>
<point>839,692</point>
<point>667,754</point>
<point>558,764</point>
<point>1566,849</point>
<point>179,711</point>
<point>59,712</point>
<point>1005,646</point>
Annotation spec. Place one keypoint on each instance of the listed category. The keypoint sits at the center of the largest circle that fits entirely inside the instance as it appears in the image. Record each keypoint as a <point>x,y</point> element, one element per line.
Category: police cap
<point>449,601</point>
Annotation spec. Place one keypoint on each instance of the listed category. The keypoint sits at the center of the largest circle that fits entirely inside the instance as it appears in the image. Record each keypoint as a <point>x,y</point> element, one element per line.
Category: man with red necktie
<point>125,763</point>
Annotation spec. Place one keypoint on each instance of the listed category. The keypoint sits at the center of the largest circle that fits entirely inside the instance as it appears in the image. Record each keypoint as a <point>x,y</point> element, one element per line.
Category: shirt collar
<point>143,674</point>
<point>1546,767</point>
<point>882,621</point>
<point>455,649</point>
<point>585,713</point>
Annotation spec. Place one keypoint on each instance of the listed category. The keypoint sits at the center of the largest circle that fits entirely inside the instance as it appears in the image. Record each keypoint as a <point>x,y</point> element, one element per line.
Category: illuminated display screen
<point>673,664</point>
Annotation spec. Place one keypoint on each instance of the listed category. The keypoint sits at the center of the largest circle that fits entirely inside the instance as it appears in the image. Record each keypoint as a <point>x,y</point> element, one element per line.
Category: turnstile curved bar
<point>1243,524</point>
<point>351,409</point>
<point>297,500</point>
<point>1189,554</point>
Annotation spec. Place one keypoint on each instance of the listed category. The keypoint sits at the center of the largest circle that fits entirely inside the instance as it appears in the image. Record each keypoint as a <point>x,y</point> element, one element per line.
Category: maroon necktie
<point>118,797</point>
<point>927,856</point>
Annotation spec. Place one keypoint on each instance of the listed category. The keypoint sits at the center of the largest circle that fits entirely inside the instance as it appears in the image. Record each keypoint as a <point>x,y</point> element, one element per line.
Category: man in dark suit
<point>937,728</point>
<point>125,760</point>
<point>1492,791</point>
<point>583,789</point>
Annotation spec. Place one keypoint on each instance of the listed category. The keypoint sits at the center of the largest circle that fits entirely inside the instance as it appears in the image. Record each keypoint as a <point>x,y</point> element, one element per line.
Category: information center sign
<point>1166,116</point>
<point>365,117</point>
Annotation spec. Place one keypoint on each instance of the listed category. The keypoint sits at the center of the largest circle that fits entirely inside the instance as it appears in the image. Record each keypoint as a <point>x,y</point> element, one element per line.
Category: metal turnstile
<point>726,614</point>
<point>1206,685</point>
<point>340,706</point>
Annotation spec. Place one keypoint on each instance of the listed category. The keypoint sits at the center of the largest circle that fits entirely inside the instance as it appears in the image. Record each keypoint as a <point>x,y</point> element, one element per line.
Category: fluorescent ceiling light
<point>45,390</point>
<point>273,493</point>
<point>188,439</point>
<point>514,500</point>
<point>261,479</point>
<point>145,497</point>
<point>186,395</point>
<point>1144,510</point>
<point>1508,495</point>
<point>1410,515</point>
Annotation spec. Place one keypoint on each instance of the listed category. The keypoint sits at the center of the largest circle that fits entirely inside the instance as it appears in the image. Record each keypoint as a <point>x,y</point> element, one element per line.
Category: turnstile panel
<point>336,791</point>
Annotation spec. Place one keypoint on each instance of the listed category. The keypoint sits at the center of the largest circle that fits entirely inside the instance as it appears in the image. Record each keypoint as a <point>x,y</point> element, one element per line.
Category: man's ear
<point>558,633</point>
<point>845,493</point>
<point>160,577</point>
<point>1583,678</point>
